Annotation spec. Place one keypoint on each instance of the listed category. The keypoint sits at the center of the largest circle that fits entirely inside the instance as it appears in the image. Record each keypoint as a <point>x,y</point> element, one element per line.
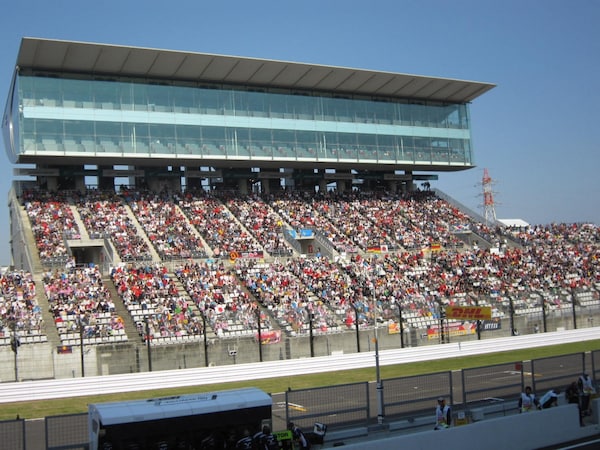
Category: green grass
<point>74,405</point>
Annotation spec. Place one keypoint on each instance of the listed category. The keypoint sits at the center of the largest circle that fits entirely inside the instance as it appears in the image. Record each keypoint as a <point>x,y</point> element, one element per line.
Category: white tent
<point>514,222</point>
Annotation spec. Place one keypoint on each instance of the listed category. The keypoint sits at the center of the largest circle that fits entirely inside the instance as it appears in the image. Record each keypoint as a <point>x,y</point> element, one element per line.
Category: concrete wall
<point>536,429</point>
<point>41,360</point>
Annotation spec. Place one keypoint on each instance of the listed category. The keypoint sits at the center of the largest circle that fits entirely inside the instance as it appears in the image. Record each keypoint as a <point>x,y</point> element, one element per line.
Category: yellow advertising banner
<point>469,312</point>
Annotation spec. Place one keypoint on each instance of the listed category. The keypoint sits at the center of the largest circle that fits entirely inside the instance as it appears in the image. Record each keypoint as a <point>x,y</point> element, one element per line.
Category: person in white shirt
<point>586,388</point>
<point>550,398</point>
<point>527,401</point>
<point>443,415</point>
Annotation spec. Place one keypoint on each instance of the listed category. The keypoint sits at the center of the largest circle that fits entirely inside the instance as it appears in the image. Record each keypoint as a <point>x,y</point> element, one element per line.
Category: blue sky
<point>537,132</point>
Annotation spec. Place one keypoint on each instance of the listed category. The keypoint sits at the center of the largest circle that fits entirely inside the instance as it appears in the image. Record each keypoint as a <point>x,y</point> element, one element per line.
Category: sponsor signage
<point>269,337</point>
<point>469,312</point>
<point>453,329</point>
<point>489,325</point>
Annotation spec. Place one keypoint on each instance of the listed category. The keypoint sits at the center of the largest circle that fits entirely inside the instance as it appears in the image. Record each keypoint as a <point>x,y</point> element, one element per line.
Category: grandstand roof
<point>114,60</point>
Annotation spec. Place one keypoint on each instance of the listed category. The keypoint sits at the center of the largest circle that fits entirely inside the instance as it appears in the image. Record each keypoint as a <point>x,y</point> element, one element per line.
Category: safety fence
<point>12,434</point>
<point>363,404</point>
<point>414,397</point>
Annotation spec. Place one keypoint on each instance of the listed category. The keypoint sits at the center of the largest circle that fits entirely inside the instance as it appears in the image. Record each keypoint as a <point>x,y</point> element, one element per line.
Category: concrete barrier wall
<point>41,360</point>
<point>135,381</point>
<point>536,429</point>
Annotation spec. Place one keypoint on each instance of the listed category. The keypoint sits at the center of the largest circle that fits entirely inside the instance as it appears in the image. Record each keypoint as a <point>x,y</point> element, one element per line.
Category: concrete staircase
<point>142,233</point>
<point>48,318</point>
<point>122,311</point>
<point>82,230</point>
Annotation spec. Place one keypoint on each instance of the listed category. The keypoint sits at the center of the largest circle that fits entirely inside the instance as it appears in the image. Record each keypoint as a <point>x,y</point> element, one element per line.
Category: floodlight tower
<point>489,207</point>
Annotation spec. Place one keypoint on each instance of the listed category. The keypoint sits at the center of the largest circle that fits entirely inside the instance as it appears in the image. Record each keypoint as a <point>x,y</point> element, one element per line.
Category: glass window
<point>159,98</point>
<point>307,139</point>
<point>78,129</point>
<point>347,126</point>
<point>109,131</point>
<point>284,138</point>
<point>208,101</point>
<point>183,98</point>
<point>256,104</point>
<point>48,89</point>
<point>213,135</point>
<point>187,133</point>
<point>106,93</point>
<point>261,137</point>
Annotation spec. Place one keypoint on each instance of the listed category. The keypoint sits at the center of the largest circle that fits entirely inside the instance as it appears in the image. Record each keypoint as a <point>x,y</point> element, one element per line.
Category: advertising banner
<point>469,312</point>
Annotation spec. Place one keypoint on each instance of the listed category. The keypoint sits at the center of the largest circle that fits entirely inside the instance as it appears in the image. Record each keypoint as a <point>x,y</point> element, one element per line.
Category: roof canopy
<point>104,59</point>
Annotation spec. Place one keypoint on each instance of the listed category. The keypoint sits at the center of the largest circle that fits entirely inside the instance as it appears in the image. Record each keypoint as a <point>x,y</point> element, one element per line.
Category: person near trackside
<point>586,389</point>
<point>528,401</point>
<point>572,396</point>
<point>299,436</point>
<point>443,415</point>
<point>549,399</point>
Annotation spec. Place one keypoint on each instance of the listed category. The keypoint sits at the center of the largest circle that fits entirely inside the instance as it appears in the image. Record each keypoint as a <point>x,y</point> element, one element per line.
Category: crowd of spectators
<point>151,295</point>
<point>219,296</point>
<point>81,304</point>
<point>104,213</point>
<point>557,262</point>
<point>291,303</point>
<point>51,222</point>
<point>20,311</point>
<point>166,226</point>
<point>217,225</point>
<point>297,211</point>
<point>263,222</point>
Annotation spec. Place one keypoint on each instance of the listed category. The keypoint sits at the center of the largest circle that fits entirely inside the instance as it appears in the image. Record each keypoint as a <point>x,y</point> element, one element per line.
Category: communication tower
<point>489,206</point>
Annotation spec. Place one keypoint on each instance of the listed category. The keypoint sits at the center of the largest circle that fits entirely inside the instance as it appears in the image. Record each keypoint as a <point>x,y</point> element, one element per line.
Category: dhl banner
<point>469,312</point>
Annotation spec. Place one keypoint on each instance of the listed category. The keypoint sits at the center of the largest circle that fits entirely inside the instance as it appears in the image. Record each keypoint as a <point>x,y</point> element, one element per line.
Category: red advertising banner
<point>433,332</point>
<point>269,337</point>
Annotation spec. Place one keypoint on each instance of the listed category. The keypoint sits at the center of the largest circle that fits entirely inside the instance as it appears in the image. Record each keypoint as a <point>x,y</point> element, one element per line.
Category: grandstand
<point>211,202</point>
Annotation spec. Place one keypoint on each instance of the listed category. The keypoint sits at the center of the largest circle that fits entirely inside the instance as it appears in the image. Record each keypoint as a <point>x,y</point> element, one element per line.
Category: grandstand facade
<point>176,118</point>
<point>93,115</point>
<point>212,202</point>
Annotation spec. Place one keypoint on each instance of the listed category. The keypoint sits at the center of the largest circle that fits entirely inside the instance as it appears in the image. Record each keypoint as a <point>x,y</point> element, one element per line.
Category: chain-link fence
<point>12,434</point>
